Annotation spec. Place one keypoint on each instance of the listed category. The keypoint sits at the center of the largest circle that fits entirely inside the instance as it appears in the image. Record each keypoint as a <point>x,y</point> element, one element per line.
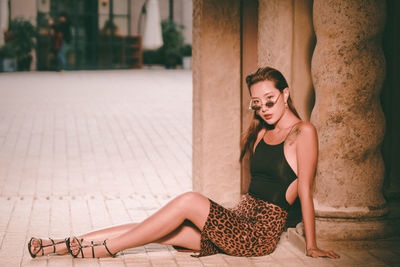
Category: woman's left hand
<point>316,252</point>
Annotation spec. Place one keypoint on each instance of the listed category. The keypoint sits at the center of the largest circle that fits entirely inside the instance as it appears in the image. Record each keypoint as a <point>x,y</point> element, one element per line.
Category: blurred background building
<point>105,34</point>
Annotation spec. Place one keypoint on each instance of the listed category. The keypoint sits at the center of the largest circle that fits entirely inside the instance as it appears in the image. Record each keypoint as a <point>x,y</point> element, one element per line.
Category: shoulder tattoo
<point>293,135</point>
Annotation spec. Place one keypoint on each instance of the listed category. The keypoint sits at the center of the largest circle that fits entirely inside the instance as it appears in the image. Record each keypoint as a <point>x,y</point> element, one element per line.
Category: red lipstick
<point>268,116</point>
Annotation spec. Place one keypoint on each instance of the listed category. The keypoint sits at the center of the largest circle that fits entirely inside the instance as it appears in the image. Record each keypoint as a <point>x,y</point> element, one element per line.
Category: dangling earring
<point>286,105</point>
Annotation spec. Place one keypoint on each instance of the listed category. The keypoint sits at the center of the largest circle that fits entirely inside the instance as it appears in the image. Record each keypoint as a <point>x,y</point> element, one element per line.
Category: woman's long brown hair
<point>249,137</point>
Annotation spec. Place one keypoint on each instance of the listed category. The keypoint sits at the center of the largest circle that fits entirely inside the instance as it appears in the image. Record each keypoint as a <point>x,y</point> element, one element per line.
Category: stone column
<point>187,10</point>
<point>348,70</point>
<point>286,42</point>
<point>3,19</point>
<point>216,99</point>
<point>249,65</point>
<point>275,35</point>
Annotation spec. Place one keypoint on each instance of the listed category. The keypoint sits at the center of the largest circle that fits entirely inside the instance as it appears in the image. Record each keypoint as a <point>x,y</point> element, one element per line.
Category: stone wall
<point>23,9</point>
<point>249,60</point>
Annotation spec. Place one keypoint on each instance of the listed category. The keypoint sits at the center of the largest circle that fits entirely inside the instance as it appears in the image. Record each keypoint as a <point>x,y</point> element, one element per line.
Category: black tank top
<point>271,174</point>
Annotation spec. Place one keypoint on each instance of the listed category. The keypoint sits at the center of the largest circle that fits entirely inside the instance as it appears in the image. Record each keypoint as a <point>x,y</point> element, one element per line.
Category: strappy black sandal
<point>41,248</point>
<point>92,245</point>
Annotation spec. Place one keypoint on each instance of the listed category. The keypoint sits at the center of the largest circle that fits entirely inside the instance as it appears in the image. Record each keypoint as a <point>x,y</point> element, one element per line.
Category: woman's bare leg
<point>109,232</point>
<point>189,206</point>
<point>187,235</point>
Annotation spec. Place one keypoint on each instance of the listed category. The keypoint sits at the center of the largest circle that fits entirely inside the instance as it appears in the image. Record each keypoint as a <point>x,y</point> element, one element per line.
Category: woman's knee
<point>191,196</point>
<point>194,207</point>
<point>191,199</point>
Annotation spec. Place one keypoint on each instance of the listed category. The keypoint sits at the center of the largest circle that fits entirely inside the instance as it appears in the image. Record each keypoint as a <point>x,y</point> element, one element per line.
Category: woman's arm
<point>307,155</point>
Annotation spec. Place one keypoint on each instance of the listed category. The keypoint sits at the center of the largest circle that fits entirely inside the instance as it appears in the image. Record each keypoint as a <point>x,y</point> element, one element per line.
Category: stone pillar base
<point>299,242</point>
<point>334,233</point>
<point>353,229</point>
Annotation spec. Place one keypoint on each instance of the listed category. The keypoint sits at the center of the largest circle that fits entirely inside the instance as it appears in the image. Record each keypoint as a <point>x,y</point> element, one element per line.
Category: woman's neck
<point>286,121</point>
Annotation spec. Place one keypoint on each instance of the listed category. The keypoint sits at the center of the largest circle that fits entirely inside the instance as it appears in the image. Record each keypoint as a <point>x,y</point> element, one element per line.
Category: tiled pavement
<point>85,150</point>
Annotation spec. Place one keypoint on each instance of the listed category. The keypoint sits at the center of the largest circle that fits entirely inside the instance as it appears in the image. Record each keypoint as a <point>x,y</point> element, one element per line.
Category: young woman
<point>282,151</point>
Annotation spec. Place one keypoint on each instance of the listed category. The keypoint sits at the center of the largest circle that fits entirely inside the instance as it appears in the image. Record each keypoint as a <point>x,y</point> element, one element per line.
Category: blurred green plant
<point>152,57</point>
<point>7,51</point>
<point>187,50</point>
<point>171,51</point>
<point>20,40</point>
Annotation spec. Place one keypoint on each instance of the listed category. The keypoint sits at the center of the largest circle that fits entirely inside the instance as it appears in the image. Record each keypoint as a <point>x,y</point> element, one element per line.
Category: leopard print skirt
<point>252,228</point>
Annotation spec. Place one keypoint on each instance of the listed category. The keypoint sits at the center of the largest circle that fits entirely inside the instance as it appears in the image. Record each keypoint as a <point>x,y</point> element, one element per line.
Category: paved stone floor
<point>85,150</point>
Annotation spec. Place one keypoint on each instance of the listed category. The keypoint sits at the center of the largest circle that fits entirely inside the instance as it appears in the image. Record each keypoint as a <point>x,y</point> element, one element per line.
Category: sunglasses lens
<point>270,104</point>
<point>256,104</point>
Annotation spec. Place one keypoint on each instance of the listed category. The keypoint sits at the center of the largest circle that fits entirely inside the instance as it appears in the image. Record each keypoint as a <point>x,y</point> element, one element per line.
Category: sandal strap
<point>41,248</point>
<point>33,255</point>
<point>92,249</point>
<point>49,245</point>
<point>80,247</point>
<point>53,244</point>
<point>113,255</point>
<point>92,245</point>
<point>68,241</point>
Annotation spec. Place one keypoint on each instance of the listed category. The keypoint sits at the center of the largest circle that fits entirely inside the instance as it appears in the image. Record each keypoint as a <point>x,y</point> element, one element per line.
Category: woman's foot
<point>80,248</point>
<point>40,247</point>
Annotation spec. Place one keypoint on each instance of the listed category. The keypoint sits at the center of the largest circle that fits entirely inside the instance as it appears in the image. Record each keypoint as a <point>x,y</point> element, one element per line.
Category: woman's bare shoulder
<point>306,130</point>
<point>306,127</point>
<point>302,130</point>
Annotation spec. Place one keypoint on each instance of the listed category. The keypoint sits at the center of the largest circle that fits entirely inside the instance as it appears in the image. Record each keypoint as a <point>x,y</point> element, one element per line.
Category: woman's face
<point>268,101</point>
